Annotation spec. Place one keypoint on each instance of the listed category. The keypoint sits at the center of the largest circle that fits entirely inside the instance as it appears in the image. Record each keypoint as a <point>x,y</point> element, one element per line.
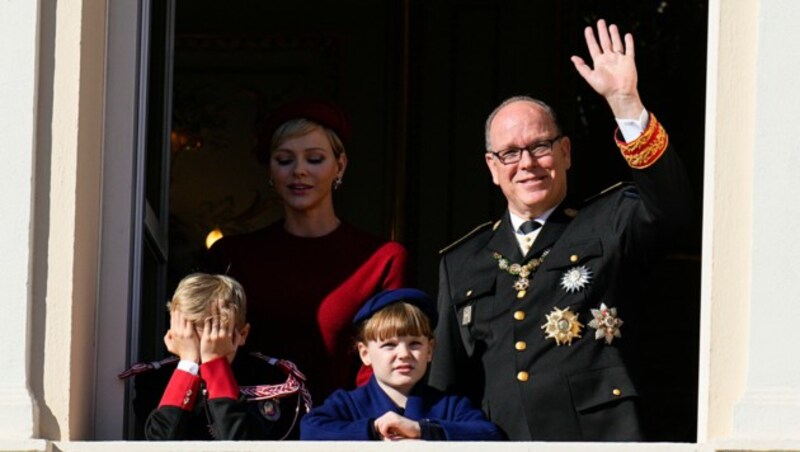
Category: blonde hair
<point>197,292</point>
<point>298,127</point>
<point>396,319</point>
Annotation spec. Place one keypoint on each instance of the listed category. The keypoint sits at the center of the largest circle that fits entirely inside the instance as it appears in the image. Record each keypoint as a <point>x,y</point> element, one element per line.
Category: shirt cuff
<point>219,379</point>
<point>632,129</point>
<point>189,366</point>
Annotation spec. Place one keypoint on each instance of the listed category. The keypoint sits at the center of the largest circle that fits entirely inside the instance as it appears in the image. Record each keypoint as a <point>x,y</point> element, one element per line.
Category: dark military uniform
<point>179,406</point>
<point>491,344</point>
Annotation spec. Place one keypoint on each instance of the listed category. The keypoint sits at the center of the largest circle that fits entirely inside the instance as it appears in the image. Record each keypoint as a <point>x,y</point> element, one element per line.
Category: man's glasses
<point>537,150</point>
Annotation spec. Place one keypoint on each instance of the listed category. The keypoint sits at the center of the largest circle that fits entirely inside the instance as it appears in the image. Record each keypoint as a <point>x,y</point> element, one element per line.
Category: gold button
<point>522,376</point>
<point>519,315</point>
<point>521,294</point>
<point>573,258</point>
<point>469,293</point>
<point>521,345</point>
<point>616,392</point>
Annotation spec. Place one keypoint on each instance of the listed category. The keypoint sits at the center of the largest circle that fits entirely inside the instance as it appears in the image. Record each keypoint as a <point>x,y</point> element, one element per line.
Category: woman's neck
<point>311,224</point>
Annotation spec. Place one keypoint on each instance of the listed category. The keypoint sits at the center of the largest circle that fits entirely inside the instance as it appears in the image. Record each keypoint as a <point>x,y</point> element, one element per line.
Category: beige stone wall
<point>18,61</point>
<point>727,212</point>
<point>71,151</point>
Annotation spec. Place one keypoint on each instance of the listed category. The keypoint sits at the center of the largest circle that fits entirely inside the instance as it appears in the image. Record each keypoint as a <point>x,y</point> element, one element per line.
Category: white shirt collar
<point>516,221</point>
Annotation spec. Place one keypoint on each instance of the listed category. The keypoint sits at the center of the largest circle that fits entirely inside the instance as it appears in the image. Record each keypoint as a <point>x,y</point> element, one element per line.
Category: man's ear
<point>242,336</point>
<point>363,353</point>
<point>566,149</point>
<point>491,162</point>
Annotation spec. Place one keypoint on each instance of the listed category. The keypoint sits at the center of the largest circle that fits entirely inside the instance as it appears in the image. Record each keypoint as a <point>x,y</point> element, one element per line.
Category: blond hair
<point>298,127</point>
<point>197,292</point>
<point>395,320</point>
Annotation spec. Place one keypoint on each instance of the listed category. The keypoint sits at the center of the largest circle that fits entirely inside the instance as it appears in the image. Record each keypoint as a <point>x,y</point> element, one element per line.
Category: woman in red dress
<point>308,274</point>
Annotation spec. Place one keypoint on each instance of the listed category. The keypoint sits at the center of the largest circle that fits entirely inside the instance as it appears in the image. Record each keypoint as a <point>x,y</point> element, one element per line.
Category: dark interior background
<point>418,79</point>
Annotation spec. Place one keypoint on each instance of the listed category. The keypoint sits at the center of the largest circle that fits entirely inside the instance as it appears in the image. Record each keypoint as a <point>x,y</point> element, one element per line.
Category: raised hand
<point>181,338</point>
<point>613,72</point>
<point>218,338</point>
<point>392,427</point>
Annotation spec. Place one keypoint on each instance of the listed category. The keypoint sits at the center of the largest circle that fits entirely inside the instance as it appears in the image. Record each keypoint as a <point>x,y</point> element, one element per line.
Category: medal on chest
<point>606,323</point>
<point>563,326</point>
<point>523,272</point>
<point>576,278</point>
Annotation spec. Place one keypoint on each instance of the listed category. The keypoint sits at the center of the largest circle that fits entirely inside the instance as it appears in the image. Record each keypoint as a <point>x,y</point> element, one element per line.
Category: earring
<point>337,183</point>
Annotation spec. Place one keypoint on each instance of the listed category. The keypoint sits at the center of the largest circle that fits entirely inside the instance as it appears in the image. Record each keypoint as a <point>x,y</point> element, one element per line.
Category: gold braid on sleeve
<point>648,148</point>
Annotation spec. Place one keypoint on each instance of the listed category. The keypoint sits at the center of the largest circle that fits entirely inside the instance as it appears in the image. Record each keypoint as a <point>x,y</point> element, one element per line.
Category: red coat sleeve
<point>219,379</point>
<point>181,390</point>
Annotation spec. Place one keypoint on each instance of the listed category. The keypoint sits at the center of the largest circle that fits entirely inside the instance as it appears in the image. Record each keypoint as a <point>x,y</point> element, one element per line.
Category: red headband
<point>320,111</point>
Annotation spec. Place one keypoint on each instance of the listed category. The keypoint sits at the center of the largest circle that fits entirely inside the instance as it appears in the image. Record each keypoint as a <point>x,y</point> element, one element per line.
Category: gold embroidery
<point>647,148</point>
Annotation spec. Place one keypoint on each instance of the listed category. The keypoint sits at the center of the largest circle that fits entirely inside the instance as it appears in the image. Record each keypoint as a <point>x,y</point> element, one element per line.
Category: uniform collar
<point>516,221</point>
<point>552,230</point>
<point>503,240</point>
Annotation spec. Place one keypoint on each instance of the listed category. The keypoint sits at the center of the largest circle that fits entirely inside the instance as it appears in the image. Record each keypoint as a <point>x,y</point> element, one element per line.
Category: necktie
<point>525,229</point>
<point>529,226</point>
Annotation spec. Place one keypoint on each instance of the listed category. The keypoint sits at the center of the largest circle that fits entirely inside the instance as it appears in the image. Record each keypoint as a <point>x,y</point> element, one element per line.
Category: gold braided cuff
<point>648,148</point>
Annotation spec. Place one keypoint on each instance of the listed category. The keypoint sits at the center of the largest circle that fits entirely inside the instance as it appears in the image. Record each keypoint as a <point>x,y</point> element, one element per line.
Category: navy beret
<point>384,298</point>
<point>320,111</point>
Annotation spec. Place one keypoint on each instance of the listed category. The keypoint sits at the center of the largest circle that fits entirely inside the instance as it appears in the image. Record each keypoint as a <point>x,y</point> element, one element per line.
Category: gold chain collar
<point>521,271</point>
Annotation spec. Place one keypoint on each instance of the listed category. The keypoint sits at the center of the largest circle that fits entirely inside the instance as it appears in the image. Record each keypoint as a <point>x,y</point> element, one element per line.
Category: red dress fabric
<point>302,294</point>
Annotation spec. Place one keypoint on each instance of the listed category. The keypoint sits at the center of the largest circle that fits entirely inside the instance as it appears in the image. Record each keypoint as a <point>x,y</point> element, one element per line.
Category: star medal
<point>576,278</point>
<point>562,325</point>
<point>606,323</point>
<point>521,271</point>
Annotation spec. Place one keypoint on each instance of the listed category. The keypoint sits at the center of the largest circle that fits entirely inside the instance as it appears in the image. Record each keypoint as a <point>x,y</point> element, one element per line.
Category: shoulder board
<point>143,367</point>
<point>628,187</point>
<point>468,235</point>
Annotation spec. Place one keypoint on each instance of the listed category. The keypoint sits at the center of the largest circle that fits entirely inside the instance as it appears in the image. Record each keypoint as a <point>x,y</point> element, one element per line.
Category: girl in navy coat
<point>396,340</point>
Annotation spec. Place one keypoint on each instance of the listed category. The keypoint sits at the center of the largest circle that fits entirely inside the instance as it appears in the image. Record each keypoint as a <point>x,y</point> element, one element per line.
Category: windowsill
<point>40,445</point>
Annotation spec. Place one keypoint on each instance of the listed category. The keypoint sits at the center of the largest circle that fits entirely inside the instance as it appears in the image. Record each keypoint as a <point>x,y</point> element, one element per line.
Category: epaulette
<point>468,235</point>
<point>628,187</point>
